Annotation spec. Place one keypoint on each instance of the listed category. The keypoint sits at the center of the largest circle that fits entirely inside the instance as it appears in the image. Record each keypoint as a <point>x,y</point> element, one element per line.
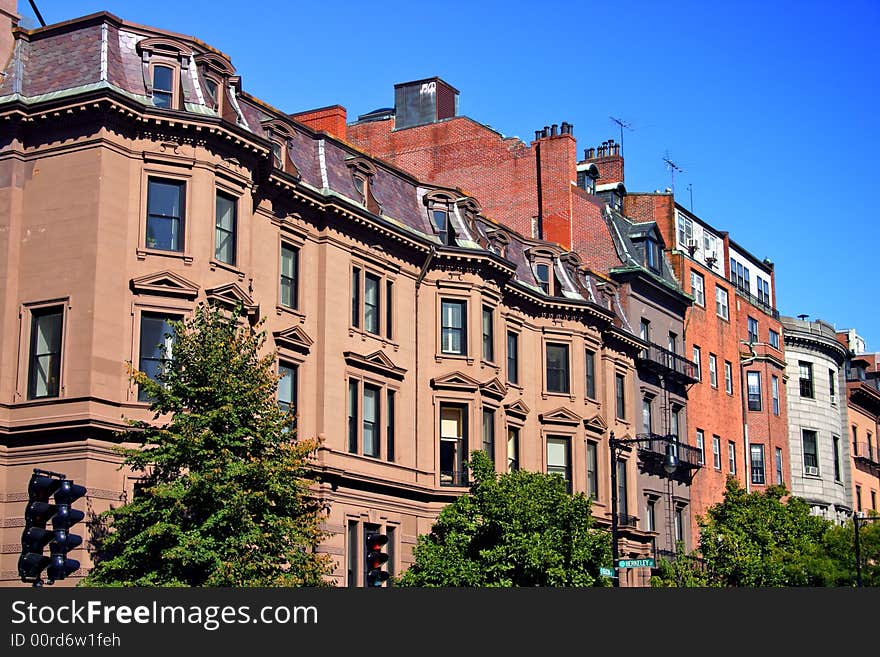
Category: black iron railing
<point>667,362</point>
<point>657,446</point>
<point>761,304</point>
<point>869,452</point>
<point>626,520</point>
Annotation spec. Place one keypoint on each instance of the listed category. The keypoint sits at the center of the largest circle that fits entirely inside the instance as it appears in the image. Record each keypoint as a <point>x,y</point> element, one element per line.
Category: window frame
<point>773,338</point>
<point>513,435</point>
<point>385,420</point>
<point>774,393</point>
<point>360,272</point>
<point>461,330</point>
<point>590,373</point>
<point>728,377</point>
<point>172,93</point>
<point>753,391</point>
<point>167,316</point>
<point>293,284</point>
<point>753,329</point>
<point>713,370</point>
<point>488,431</point>
<point>31,312</point>
<point>487,338</point>
<point>565,440</point>
<point>731,457</point>
<point>698,292</point>
<point>620,396</point>
<point>807,366</point>
<point>182,183</point>
<point>592,466</point>
<point>814,439</point>
<point>758,471</point>
<point>698,361</point>
<point>721,292</point>
<point>457,477</point>
<point>512,362</point>
<point>701,446</point>
<point>716,452</point>
<point>233,233</point>
<point>565,374</point>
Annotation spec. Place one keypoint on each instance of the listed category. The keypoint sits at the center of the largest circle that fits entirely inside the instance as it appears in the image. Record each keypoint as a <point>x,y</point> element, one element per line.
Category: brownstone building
<point>138,179</point>
<point>542,189</point>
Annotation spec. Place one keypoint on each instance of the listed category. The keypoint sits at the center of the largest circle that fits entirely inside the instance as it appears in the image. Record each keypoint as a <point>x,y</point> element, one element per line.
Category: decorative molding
<point>493,388</point>
<point>229,295</point>
<point>165,284</point>
<point>517,409</point>
<point>560,415</point>
<point>377,361</point>
<point>596,424</point>
<point>294,338</point>
<point>456,381</point>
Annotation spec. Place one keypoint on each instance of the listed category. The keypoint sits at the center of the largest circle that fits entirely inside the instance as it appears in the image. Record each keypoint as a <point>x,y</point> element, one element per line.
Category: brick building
<point>135,158</point>
<point>541,188</point>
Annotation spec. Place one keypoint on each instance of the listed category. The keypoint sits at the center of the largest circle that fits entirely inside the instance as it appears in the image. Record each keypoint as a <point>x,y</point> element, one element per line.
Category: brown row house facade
<point>138,179</point>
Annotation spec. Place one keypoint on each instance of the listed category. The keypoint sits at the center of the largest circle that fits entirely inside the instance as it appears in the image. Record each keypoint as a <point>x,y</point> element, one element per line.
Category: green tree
<point>839,547</point>
<point>224,499</point>
<point>684,571</point>
<point>756,539</point>
<point>517,529</point>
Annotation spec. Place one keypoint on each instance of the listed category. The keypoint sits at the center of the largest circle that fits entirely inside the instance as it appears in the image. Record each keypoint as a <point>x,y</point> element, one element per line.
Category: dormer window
<point>653,257</point>
<point>586,178</point>
<point>363,172</point>
<point>277,155</point>
<point>443,226</point>
<point>163,86</point>
<point>211,89</point>
<point>542,273</point>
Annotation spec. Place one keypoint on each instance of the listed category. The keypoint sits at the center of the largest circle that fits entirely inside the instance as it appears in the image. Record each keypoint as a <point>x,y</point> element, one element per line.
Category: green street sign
<point>606,572</point>
<point>635,563</point>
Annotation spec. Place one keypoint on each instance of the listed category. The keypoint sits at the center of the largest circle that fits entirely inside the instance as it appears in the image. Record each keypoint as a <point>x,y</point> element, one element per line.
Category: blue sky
<point>768,108</point>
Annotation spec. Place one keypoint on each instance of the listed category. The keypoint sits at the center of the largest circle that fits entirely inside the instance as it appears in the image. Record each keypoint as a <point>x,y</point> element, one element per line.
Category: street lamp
<point>670,465</point>
<point>858,517</point>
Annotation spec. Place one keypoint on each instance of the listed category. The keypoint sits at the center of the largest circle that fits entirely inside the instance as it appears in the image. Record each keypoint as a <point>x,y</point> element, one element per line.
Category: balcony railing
<point>867,453</point>
<point>626,520</point>
<point>652,457</point>
<point>663,361</point>
<point>454,478</point>
<point>760,304</point>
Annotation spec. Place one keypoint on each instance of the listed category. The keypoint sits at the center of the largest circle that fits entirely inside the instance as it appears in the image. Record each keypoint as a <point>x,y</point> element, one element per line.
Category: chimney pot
<point>553,129</point>
<point>537,135</point>
<point>571,128</point>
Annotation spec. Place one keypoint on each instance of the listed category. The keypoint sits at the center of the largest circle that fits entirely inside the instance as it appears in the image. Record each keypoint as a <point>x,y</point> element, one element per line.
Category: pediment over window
<point>165,284</point>
<point>215,62</point>
<point>229,295</point>
<point>596,424</point>
<point>378,362</point>
<point>164,46</point>
<point>517,409</point>
<point>293,338</point>
<point>561,415</point>
<point>493,388</point>
<point>456,381</point>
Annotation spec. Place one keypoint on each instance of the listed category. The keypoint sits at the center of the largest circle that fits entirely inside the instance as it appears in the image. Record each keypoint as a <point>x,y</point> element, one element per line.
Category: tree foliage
<point>517,529</point>
<point>224,500</point>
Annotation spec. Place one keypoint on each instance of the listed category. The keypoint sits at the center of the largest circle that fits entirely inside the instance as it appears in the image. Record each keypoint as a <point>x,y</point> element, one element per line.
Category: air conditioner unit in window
<point>691,246</point>
<point>710,258</point>
<point>811,470</point>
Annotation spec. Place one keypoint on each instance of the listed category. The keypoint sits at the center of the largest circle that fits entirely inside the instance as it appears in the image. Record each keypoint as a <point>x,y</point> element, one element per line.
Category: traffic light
<point>63,541</point>
<point>35,536</point>
<point>375,558</point>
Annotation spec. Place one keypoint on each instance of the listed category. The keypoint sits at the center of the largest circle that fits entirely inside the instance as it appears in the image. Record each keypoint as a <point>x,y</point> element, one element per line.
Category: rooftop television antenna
<point>622,124</point>
<point>673,167</point>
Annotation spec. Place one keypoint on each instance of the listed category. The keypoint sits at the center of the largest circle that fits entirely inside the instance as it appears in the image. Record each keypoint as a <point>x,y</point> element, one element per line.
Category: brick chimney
<point>556,163</point>
<point>327,119</point>
<point>8,20</point>
<point>609,161</point>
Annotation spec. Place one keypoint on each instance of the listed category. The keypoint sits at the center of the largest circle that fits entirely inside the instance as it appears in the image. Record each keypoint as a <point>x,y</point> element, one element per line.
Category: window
<point>805,373</point>
<point>701,453</point>
<point>685,230</point>
<point>356,297</point>
<point>832,389</point>
<point>650,515</point>
<point>389,297</point>
<point>753,329</point>
<point>165,214</point>
<point>739,275</point>
<point>592,470</point>
<point>728,378</point>
<point>774,391</point>
<point>488,335</point>
<point>590,373</point>
<point>157,337</point>
<point>44,375</point>
<point>558,459</point>
<point>620,396</point>
<point>855,437</point>
<point>835,444</point>
<point>371,421</point>
<point>764,291</point>
<point>557,368</point>
<point>163,86</point>
<point>757,457</point>
<point>371,303</point>
<point>698,361</point>
<point>811,454</point>
<point>289,276</point>
<point>779,480</point>
<point>679,523</point>
<point>647,420</point>
<point>716,452</point>
<point>870,447</point>
<point>389,424</point>
<point>731,457</point>
<point>773,338</point>
<point>858,498</point>
<point>225,228</point>
<point>489,433</point>
<point>713,371</point>
<point>287,387</point>
<point>721,308</point>
<point>645,330</point>
<point>453,337</point>
<point>623,510</point>
<point>674,425</point>
<point>672,342</point>
<point>542,273</point>
<point>697,289</point>
<point>512,357</point>
<point>753,384</point>
<point>512,449</point>
<point>874,500</point>
<point>211,87</point>
<point>453,445</point>
<point>353,416</point>
<point>444,228</point>
<point>652,255</point>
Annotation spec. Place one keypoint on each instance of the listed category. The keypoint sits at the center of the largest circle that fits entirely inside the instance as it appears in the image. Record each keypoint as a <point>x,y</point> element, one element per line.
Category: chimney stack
<point>608,159</point>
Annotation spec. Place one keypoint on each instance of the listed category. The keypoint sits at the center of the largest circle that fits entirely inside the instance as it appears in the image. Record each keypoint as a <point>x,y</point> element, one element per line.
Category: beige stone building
<point>138,179</point>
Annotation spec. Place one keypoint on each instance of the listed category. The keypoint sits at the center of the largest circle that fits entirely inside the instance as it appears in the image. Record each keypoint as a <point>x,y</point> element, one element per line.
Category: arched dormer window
<point>498,241</point>
<point>441,207</point>
<point>362,173</point>
<point>163,60</point>
<point>587,175</point>
<point>215,72</point>
<point>468,210</point>
<point>541,260</point>
<point>279,136</point>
